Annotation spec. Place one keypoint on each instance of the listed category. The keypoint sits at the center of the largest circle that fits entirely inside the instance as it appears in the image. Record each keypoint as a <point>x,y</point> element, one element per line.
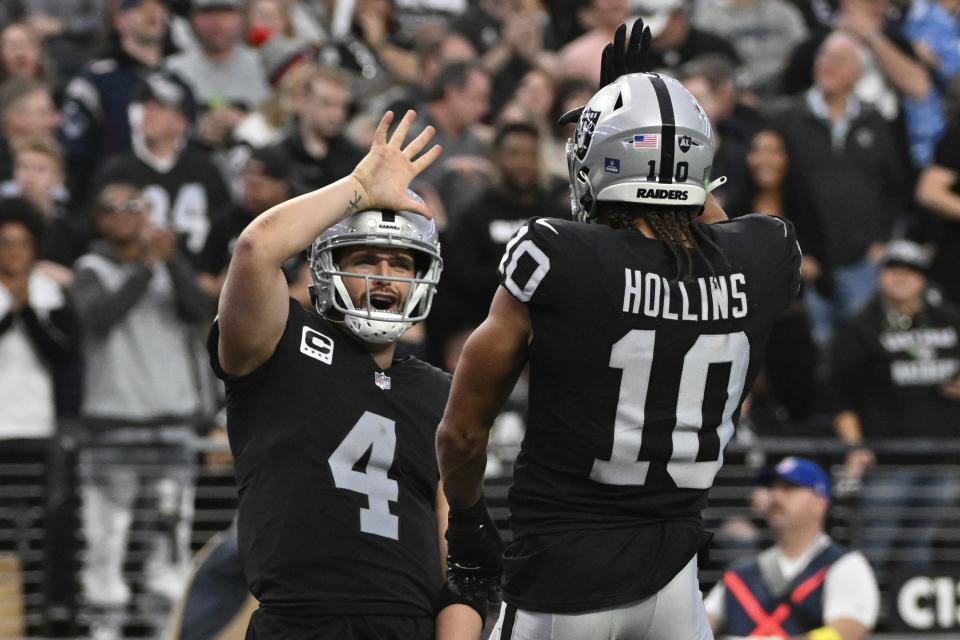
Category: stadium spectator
<point>27,112</point>
<point>456,104</point>
<point>676,40</point>
<point>226,76</point>
<point>833,138</point>
<point>435,54</point>
<point>95,122</point>
<point>891,72</point>
<point>938,189</point>
<point>508,36</point>
<point>265,184</point>
<point>805,585</point>
<point>764,32</point>
<point>180,183</point>
<point>896,375</point>
<point>266,19</point>
<point>578,58</point>
<point>38,332</point>
<point>476,239</point>
<point>21,55</point>
<point>531,100</point>
<point>315,141</point>
<point>908,71</point>
<point>289,66</point>
<point>710,78</point>
<point>38,177</point>
<point>375,25</point>
<point>71,30</point>
<point>135,295</point>
<point>785,392</point>
<point>935,36</point>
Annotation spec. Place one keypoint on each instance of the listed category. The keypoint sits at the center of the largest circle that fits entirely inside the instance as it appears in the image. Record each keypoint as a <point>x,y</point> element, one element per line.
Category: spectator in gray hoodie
<point>136,297</point>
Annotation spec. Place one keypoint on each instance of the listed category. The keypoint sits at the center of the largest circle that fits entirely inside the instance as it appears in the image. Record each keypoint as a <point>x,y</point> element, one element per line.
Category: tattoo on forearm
<point>352,205</point>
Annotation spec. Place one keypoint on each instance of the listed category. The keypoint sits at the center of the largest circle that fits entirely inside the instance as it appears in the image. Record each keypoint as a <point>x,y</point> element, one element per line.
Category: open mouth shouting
<point>384,301</point>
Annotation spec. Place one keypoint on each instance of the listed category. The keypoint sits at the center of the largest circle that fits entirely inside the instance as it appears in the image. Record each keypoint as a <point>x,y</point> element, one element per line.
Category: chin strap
<point>719,182</point>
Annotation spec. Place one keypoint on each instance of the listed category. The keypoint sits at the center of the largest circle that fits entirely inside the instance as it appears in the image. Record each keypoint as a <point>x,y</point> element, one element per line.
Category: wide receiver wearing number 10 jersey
<point>643,333</point>
<point>635,384</point>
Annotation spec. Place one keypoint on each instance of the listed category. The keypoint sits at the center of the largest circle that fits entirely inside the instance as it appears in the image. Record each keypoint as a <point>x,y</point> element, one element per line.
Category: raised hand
<point>386,171</point>
<point>618,59</point>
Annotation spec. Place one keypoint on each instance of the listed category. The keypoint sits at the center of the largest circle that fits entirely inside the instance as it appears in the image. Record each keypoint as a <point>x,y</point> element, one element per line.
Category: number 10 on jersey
<point>634,355</point>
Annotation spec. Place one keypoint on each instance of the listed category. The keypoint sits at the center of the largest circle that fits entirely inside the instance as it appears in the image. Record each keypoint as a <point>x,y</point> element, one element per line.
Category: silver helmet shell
<point>643,138</point>
<point>395,229</point>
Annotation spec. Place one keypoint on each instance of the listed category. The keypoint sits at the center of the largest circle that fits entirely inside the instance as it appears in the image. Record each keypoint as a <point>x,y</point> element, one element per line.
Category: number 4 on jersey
<point>378,435</point>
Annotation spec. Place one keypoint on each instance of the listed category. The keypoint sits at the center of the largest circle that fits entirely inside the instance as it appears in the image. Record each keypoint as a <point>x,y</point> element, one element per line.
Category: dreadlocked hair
<point>678,228</point>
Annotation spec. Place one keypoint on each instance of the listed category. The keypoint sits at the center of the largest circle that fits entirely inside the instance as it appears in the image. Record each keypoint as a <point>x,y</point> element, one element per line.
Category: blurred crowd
<point>139,137</point>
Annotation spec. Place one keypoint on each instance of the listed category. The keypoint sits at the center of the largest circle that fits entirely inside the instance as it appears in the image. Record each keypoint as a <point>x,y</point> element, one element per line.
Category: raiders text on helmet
<point>643,138</point>
<point>395,229</point>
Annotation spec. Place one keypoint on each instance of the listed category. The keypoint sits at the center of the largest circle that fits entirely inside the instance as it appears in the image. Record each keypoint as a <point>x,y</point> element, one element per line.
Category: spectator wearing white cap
<point>896,375</point>
<point>805,585</point>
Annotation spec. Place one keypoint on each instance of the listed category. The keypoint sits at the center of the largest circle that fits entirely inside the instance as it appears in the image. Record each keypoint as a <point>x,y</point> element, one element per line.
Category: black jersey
<point>337,475</point>
<point>636,382</point>
<point>181,197</point>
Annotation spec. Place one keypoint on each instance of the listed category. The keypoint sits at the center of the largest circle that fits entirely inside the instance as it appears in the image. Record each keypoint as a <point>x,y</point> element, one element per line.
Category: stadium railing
<point>32,537</point>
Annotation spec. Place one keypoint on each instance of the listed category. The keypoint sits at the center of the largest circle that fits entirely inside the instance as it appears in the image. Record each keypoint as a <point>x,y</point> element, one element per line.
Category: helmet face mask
<point>644,139</point>
<point>386,229</point>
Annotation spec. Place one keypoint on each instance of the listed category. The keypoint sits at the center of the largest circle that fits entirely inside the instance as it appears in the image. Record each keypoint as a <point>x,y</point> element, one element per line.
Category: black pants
<point>270,626</point>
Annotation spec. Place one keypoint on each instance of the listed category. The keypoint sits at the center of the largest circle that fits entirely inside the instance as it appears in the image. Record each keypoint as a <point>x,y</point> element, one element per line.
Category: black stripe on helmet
<point>668,132</point>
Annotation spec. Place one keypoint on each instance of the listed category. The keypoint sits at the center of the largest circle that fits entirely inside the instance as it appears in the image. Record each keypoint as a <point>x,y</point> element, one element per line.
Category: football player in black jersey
<point>340,512</point>
<point>643,328</point>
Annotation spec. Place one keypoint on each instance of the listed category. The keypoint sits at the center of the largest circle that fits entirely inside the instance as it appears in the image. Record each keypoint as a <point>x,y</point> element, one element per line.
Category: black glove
<point>474,553</point>
<point>450,593</point>
<point>618,60</point>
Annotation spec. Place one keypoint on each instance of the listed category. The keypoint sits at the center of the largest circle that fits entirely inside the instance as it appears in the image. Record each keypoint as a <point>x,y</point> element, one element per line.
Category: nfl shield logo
<point>684,143</point>
<point>382,380</point>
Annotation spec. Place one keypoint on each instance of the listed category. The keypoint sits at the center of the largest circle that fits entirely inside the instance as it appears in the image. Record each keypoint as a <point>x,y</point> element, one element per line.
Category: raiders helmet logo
<point>684,143</point>
<point>585,127</point>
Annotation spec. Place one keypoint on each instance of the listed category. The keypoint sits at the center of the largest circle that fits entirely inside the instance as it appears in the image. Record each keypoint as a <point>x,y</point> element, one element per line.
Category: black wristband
<point>475,514</point>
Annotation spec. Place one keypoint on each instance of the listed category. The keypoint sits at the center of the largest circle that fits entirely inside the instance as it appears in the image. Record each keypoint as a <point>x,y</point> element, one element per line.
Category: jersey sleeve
<point>213,350</point>
<point>780,239</point>
<point>531,262</point>
<point>850,591</point>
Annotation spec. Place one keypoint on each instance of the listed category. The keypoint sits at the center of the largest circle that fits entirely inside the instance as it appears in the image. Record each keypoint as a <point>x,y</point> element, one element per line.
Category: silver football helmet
<point>642,138</point>
<point>398,229</point>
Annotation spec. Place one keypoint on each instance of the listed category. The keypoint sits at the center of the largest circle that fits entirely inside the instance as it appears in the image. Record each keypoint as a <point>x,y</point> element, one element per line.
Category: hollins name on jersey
<point>707,298</point>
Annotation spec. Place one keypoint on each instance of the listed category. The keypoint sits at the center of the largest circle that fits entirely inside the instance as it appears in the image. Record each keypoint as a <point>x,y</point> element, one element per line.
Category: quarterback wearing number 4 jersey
<point>340,518</point>
<point>337,452</point>
<point>644,328</point>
